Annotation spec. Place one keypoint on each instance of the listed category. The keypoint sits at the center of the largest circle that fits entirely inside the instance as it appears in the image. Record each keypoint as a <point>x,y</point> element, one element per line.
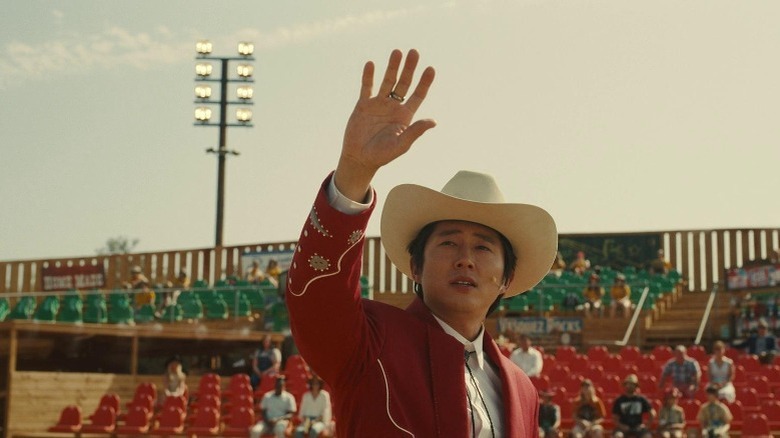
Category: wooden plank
<point>721,265</point>
<point>757,239</point>
<point>708,260</point>
<point>3,268</point>
<point>686,272</point>
<point>734,260</point>
<point>11,370</point>
<point>14,286</point>
<point>745,247</point>
<point>388,274</point>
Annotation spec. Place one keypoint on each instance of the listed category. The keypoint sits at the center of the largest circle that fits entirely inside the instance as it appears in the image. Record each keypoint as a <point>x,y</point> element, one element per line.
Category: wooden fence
<point>701,256</point>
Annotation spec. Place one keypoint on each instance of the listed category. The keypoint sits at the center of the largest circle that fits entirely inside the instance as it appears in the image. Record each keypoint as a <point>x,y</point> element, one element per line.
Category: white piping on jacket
<point>338,269</point>
<point>387,399</point>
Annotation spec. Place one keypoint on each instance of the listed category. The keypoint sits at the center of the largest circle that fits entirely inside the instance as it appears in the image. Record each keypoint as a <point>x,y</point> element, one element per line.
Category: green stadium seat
<point>120,310</point>
<point>240,305</point>
<point>200,284</point>
<point>47,311</point>
<point>5,308</point>
<point>255,297</point>
<point>24,309</point>
<point>216,308</point>
<point>96,311</point>
<point>72,308</point>
<point>277,317</point>
<point>172,313</point>
<point>518,303</point>
<point>145,314</point>
<point>191,306</point>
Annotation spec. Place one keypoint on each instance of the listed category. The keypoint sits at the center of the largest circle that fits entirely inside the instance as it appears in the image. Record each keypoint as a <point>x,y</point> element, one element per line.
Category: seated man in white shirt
<point>315,413</point>
<point>528,358</point>
<point>278,407</point>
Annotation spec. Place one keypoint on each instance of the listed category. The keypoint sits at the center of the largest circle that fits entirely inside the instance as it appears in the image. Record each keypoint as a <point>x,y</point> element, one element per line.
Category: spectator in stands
<point>720,371</point>
<point>144,294</point>
<point>315,413</point>
<point>558,265</point>
<point>660,265</point>
<point>430,369</point>
<point>684,372</point>
<point>580,264</point>
<point>528,358</point>
<point>549,416</point>
<point>272,272</point>
<point>671,419</point>
<point>266,360</point>
<point>589,413</point>
<point>621,297</point>
<point>175,287</point>
<point>278,407</point>
<point>714,417</point>
<point>762,343</point>
<point>592,293</point>
<point>628,410</point>
<point>174,380</point>
<point>254,274</point>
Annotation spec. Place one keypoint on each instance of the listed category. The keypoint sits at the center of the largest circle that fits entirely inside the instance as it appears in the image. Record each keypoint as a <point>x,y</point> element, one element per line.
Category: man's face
<point>462,270</point>
<point>279,386</point>
<point>630,388</point>
<point>679,355</point>
<point>525,343</point>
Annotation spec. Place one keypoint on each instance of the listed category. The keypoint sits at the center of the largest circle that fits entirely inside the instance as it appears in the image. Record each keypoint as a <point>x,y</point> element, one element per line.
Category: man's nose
<point>465,259</point>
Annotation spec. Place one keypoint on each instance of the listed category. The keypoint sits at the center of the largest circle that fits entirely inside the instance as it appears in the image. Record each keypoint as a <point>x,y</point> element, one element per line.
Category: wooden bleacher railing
<point>699,255</point>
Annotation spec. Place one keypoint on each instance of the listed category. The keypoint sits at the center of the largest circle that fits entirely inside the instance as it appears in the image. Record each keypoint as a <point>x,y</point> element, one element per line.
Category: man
<point>593,293</point>
<point>714,416</point>
<point>549,416</point>
<point>671,419</point>
<point>684,372</point>
<point>660,265</point>
<point>762,343</point>
<point>278,407</point>
<point>431,370</point>
<point>621,297</point>
<point>528,358</point>
<point>628,410</point>
<point>315,413</point>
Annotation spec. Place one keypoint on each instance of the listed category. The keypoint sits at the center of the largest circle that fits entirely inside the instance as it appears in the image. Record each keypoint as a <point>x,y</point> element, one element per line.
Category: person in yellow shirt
<point>593,294</point>
<point>139,281</point>
<point>621,297</point>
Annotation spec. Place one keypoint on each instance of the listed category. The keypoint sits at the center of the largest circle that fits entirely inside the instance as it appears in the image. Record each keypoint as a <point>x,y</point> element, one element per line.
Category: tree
<point>118,245</point>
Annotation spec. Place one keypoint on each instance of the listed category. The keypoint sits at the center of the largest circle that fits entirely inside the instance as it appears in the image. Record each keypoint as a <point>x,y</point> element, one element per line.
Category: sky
<point>613,115</point>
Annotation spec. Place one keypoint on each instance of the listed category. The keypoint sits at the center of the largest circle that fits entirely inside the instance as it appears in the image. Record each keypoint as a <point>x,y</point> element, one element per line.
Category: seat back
<point>241,417</point>
<point>70,416</point>
<point>171,417</point>
<point>207,417</point>
<point>756,425</point>
<point>104,415</point>
<point>137,416</point>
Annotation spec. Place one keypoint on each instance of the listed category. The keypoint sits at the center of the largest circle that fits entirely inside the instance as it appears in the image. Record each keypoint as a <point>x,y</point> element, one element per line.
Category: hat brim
<point>530,229</point>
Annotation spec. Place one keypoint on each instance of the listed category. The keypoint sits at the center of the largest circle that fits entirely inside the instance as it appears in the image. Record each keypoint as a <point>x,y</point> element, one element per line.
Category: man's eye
<point>484,248</point>
<point>447,243</point>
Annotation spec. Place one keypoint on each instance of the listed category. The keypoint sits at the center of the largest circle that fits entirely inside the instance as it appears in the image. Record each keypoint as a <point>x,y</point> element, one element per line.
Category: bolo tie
<point>481,398</point>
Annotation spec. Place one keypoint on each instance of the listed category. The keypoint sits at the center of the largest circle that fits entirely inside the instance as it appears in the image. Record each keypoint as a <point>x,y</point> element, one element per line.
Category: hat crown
<point>474,186</point>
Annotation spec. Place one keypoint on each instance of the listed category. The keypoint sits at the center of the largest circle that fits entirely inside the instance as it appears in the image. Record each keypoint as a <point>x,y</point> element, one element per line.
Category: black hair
<point>416,249</point>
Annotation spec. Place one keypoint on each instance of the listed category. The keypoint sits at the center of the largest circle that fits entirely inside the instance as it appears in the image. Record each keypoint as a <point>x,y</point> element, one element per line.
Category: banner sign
<point>753,277</point>
<point>55,278</point>
<point>540,325</point>
<point>615,251</point>
<point>284,258</point>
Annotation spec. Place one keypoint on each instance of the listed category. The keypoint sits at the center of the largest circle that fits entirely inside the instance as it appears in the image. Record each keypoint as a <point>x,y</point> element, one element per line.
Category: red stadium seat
<point>756,426</point>
<point>749,399</point>
<point>614,365</point>
<point>558,373</point>
<point>597,353</point>
<point>567,414</point>
<point>740,377</point>
<point>772,374</point>
<point>750,362</point>
<point>144,388</point>
<point>662,353</point>
<point>70,420</point>
<point>540,382</point>
<point>737,414</point>
<point>648,385</point>
<point>295,363</point>
<point>772,412</point>
<point>171,422</point>
<point>630,353</point>
<point>572,383</point>
<point>206,422</point>
<point>578,364</point>
<point>103,420</point>
<point>611,386</point>
<point>565,353</point>
<point>594,372</point>
<point>761,385</point>
<point>699,353</point>
<point>111,400</point>
<point>143,400</point>
<point>241,419</point>
<point>548,362</point>
<point>238,385</point>
<point>210,378</point>
<point>137,421</point>
<point>648,365</point>
<point>732,353</point>
<point>691,409</point>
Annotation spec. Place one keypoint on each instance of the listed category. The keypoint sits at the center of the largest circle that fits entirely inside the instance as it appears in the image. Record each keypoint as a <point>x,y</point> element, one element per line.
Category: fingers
<point>391,74</point>
<point>416,99</point>
<point>367,81</point>
<point>414,131</point>
<point>402,87</point>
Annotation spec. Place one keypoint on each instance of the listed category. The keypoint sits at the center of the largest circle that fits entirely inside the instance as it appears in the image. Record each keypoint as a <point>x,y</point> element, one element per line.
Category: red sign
<point>73,277</point>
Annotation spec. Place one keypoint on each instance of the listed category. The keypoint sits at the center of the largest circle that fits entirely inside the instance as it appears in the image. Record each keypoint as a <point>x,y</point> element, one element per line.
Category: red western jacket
<point>393,372</point>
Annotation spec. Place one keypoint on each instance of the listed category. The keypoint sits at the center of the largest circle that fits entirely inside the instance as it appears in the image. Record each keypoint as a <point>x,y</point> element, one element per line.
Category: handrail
<point>634,317</point>
<point>706,316</point>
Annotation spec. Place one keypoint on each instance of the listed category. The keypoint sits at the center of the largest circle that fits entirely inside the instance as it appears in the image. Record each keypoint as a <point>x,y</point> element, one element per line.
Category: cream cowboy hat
<point>474,197</point>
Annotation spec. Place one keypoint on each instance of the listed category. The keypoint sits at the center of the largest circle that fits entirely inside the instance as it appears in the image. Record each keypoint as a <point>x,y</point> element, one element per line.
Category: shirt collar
<point>475,346</point>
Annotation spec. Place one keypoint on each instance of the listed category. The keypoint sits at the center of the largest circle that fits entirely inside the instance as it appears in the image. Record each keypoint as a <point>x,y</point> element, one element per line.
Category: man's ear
<point>415,271</point>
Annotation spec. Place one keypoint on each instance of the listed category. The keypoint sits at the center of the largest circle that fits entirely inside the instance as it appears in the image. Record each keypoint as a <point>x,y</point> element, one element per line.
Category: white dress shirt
<point>530,361</point>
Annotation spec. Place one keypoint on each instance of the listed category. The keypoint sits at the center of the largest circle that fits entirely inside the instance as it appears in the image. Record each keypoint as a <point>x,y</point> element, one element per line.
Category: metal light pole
<point>203,112</point>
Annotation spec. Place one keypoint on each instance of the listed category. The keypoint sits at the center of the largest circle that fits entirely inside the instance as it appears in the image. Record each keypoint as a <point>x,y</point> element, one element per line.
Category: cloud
<point>119,47</point>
